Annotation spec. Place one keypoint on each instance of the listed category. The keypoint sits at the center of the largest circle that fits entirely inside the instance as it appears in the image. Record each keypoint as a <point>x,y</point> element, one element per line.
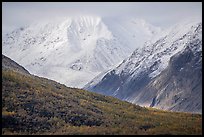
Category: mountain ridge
<point>7,63</point>
<point>130,77</point>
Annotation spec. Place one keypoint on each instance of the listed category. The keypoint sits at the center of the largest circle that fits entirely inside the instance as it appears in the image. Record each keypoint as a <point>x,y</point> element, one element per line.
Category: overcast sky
<point>164,14</point>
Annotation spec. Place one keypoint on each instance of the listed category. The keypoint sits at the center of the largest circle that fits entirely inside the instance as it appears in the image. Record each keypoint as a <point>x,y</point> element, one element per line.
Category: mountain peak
<point>82,46</point>
<point>136,74</point>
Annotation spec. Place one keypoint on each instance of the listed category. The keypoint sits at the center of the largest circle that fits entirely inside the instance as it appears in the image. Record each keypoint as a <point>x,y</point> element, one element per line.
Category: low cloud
<point>161,14</point>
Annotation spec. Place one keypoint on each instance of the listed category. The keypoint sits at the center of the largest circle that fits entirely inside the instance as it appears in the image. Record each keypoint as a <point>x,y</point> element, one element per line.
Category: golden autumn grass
<point>34,105</point>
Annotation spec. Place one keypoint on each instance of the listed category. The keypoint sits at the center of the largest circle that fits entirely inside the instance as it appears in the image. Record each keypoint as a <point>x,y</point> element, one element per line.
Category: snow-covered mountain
<point>146,77</point>
<point>74,50</point>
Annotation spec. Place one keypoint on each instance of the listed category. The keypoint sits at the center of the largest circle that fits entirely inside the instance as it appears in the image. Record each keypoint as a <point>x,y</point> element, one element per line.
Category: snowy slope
<point>127,80</point>
<point>157,55</point>
<point>74,50</point>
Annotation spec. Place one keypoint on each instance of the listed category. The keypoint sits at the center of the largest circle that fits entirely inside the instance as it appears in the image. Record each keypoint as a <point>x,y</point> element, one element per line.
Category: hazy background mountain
<point>74,50</point>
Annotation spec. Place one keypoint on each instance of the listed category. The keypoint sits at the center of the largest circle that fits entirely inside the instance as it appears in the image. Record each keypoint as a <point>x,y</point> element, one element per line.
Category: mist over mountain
<point>74,50</point>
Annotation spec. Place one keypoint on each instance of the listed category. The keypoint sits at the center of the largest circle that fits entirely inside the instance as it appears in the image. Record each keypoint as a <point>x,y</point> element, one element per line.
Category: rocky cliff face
<point>178,87</point>
<point>156,73</point>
